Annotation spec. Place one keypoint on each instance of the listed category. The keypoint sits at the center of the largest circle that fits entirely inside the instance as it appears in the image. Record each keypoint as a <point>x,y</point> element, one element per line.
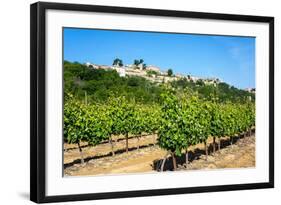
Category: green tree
<point>121,114</point>
<point>203,119</point>
<point>83,123</point>
<point>217,123</point>
<point>117,62</point>
<point>171,136</point>
<point>144,66</point>
<point>170,72</point>
<point>138,123</point>
<point>152,119</point>
<point>136,62</point>
<point>191,127</point>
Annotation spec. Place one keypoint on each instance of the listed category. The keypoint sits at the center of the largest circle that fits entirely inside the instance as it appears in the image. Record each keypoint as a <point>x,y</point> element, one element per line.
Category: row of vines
<point>179,122</point>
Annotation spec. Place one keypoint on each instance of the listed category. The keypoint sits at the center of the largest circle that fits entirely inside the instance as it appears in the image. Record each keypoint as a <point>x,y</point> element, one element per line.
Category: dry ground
<point>149,157</point>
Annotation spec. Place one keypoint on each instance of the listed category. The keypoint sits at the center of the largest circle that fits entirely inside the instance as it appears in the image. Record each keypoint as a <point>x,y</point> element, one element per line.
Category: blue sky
<point>229,58</point>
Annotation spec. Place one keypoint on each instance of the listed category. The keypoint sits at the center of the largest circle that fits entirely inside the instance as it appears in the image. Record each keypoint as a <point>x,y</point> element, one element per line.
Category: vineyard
<point>175,124</point>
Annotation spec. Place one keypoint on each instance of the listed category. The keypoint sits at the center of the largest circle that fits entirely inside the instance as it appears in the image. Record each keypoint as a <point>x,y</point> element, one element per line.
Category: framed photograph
<point>129,102</point>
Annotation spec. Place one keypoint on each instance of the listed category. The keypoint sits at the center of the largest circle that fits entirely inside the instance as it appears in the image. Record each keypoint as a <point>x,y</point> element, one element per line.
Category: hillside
<point>98,84</point>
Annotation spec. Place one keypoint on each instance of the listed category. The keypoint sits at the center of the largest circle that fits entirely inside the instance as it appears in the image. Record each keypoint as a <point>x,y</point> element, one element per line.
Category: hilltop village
<point>149,72</point>
<point>154,73</point>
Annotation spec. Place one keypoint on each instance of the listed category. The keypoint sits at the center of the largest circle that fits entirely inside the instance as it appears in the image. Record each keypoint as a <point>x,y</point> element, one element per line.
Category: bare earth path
<point>149,157</point>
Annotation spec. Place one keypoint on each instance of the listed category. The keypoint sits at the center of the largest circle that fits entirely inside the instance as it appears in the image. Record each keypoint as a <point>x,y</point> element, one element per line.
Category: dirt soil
<point>72,155</point>
<point>98,159</point>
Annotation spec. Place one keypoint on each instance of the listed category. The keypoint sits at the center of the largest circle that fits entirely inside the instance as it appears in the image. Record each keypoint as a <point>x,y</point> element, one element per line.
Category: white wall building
<point>120,70</point>
<point>153,68</point>
<point>90,65</point>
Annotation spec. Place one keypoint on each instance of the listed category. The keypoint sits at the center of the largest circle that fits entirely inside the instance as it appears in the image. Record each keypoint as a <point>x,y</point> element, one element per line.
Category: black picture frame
<point>38,100</point>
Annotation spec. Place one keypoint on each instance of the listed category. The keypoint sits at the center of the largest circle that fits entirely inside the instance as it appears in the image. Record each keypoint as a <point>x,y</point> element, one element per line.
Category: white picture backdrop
<point>59,185</point>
